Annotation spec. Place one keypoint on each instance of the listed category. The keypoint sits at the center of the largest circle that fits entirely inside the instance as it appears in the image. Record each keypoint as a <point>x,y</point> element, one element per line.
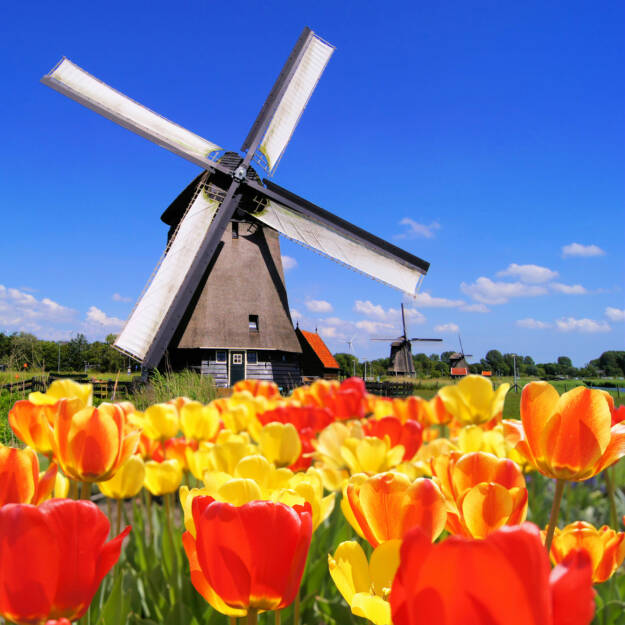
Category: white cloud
<point>369,309</point>
<point>533,274</point>
<point>121,298</point>
<point>446,327</point>
<point>319,306</point>
<point>296,314</point>
<point>375,327</point>
<point>577,249</point>
<point>23,311</point>
<point>479,308</point>
<point>375,311</point>
<point>288,263</point>
<point>425,300</point>
<point>615,314</point>
<point>533,324</point>
<point>487,291</point>
<point>415,229</point>
<point>570,324</point>
<point>569,289</point>
<point>329,332</point>
<point>97,316</point>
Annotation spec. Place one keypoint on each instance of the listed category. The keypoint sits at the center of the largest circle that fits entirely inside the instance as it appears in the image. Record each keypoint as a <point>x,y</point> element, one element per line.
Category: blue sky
<point>485,137</point>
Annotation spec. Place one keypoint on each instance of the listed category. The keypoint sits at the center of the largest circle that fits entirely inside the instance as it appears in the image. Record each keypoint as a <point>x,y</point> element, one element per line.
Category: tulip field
<point>328,506</point>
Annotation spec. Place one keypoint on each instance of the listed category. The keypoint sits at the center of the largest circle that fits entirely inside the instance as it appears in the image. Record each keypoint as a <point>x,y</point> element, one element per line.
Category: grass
<point>164,386</point>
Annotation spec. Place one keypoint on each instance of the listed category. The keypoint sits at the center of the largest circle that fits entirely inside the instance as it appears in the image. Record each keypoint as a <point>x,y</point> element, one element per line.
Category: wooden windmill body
<point>401,362</point>
<point>217,300</point>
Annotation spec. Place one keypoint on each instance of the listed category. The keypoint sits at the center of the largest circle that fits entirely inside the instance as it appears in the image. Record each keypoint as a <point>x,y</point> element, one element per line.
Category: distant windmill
<point>401,350</point>
<point>351,351</point>
<point>458,363</point>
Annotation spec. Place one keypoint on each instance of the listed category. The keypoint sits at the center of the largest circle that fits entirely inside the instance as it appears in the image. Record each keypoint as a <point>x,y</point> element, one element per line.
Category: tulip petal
<point>485,508</point>
<point>374,609</point>
<point>28,581</point>
<point>383,566</point>
<point>538,402</point>
<point>616,447</point>
<point>200,583</point>
<point>350,570</point>
<point>573,596</point>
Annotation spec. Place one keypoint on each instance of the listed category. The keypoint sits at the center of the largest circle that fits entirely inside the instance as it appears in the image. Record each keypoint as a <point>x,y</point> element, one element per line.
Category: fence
<point>102,389</point>
<point>390,389</point>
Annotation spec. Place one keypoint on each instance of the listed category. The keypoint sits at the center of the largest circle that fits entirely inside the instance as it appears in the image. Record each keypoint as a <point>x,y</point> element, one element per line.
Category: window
<point>221,357</point>
<point>235,229</point>
<point>252,358</point>
<point>253,323</point>
<point>237,359</point>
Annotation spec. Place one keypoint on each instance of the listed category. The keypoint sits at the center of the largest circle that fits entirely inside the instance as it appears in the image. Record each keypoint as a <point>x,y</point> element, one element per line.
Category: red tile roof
<point>321,350</point>
<point>459,371</point>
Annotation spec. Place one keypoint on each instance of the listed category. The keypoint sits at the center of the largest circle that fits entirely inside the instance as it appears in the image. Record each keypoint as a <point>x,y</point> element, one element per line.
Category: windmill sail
<point>159,295</point>
<point>341,241</point>
<point>79,85</point>
<point>288,98</point>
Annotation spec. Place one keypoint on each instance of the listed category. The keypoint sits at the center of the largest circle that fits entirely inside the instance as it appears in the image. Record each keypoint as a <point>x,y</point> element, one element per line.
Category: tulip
<point>52,559</point>
<point>408,434</point>
<point>162,478</point>
<point>258,388</point>
<point>159,422</point>
<point>19,477</point>
<point>280,443</point>
<point>370,454</point>
<point>366,585</point>
<point>605,547</point>
<point>505,578</point>
<point>32,424</point>
<point>127,482</point>
<point>438,413</point>
<point>568,437</point>
<point>473,401</point>
<point>482,492</point>
<point>252,557</point>
<point>64,389</point>
<point>475,438</point>
<point>92,443</point>
<point>175,449</point>
<point>387,505</point>
<point>199,422</point>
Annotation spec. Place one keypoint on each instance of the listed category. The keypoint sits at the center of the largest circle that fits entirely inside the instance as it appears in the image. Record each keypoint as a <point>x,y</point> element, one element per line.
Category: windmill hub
<point>217,301</point>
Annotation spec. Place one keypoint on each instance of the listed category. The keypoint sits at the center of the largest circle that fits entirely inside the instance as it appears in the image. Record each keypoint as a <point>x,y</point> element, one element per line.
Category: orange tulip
<point>19,477</point>
<point>258,388</point>
<point>503,579</point>
<point>92,443</point>
<point>568,437</point>
<point>483,492</point>
<point>32,424</point>
<point>387,505</point>
<point>605,547</point>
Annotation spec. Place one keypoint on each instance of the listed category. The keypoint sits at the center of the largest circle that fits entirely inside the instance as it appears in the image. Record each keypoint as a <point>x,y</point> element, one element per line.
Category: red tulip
<point>52,559</point>
<point>408,434</point>
<point>250,557</point>
<point>503,579</point>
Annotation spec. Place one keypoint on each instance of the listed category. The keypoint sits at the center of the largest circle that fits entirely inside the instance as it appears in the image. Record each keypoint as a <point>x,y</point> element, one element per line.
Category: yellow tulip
<point>280,443</point>
<point>60,389</point>
<point>159,422</point>
<point>366,585</point>
<point>199,422</point>
<point>264,473</point>
<point>474,438</point>
<point>127,482</point>
<point>370,454</point>
<point>162,478</point>
<point>346,508</point>
<point>330,441</point>
<point>473,401</point>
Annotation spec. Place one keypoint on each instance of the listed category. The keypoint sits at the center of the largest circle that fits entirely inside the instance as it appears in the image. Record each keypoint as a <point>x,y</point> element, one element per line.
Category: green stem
<point>118,518</point>
<point>232,620</point>
<point>278,617</point>
<point>73,489</point>
<point>553,518</point>
<point>252,616</point>
<point>296,609</point>
<point>148,509</point>
<point>85,490</point>
<point>609,484</point>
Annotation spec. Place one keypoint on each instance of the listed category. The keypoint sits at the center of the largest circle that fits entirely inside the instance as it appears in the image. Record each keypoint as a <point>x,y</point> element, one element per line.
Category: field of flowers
<point>330,506</point>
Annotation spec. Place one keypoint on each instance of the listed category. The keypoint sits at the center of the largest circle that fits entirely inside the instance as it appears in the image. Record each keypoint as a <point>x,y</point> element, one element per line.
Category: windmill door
<point>237,367</point>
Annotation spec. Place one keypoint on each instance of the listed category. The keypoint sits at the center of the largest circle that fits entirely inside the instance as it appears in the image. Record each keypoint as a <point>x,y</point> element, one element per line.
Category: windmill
<point>401,350</point>
<point>458,363</point>
<point>217,300</point>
